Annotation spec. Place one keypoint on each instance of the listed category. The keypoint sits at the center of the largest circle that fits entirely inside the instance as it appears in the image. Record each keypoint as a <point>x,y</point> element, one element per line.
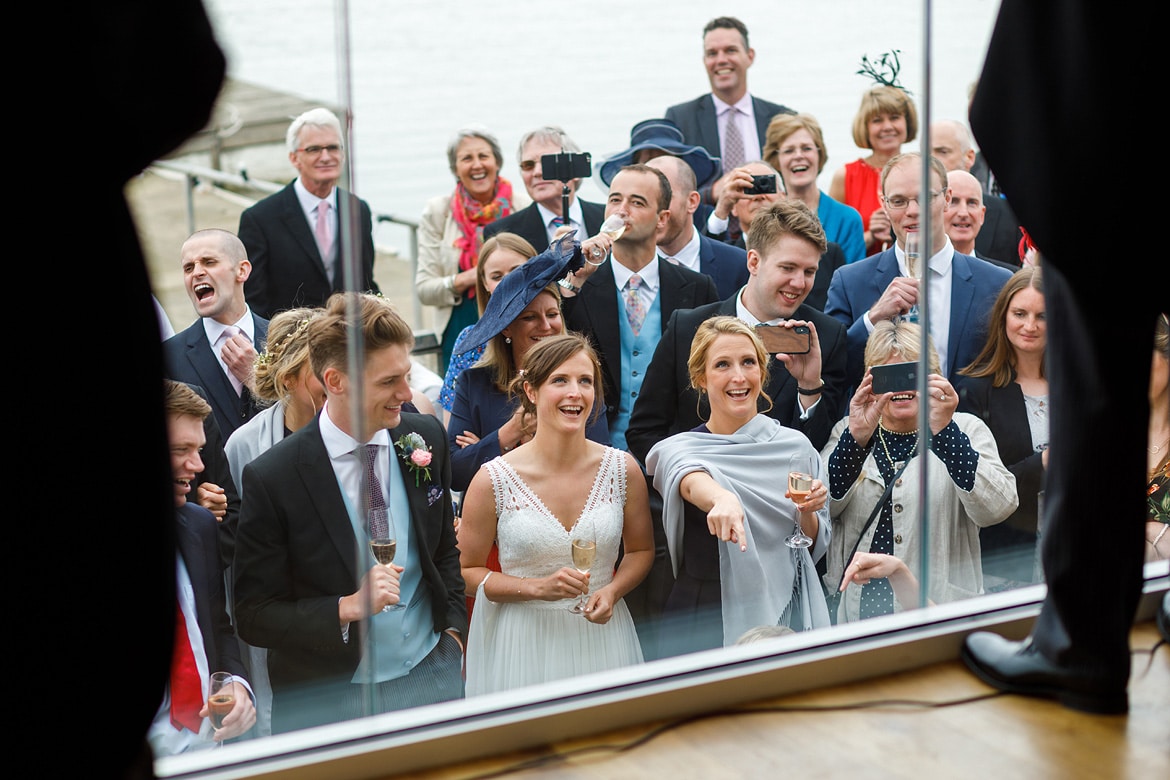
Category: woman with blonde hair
<point>726,512</point>
<point>874,473</point>
<point>885,120</point>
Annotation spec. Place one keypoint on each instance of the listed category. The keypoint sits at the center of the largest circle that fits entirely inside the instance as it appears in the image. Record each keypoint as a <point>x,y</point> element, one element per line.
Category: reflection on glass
<point>398,165</point>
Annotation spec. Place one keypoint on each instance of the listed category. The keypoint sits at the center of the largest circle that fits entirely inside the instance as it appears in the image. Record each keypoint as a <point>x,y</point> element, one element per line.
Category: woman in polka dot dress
<point>968,488</point>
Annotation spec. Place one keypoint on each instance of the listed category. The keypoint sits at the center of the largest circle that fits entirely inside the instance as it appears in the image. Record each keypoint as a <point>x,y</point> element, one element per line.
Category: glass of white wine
<point>584,549</point>
<point>800,481</point>
<point>221,697</point>
<point>614,226</point>
<point>913,258</point>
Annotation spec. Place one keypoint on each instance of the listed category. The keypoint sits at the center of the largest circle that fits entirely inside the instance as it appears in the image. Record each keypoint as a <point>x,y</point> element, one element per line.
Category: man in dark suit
<point>311,505</point>
<point>952,144</point>
<point>965,216</point>
<point>217,351</point>
<point>707,120</point>
<point>539,222</point>
<point>623,304</point>
<point>878,287</point>
<point>204,639</point>
<point>807,391</point>
<point>301,238</point>
<point>680,242</point>
<point>1098,365</point>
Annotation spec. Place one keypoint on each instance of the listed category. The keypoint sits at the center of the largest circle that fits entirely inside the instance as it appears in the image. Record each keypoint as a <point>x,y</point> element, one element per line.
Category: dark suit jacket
<point>668,405</point>
<point>295,553</point>
<point>974,285</point>
<point>1006,415</point>
<point>528,224</point>
<point>287,269</point>
<point>697,120</point>
<point>197,539</point>
<point>189,359</point>
<point>999,238</point>
<point>725,264</point>
<point>594,312</point>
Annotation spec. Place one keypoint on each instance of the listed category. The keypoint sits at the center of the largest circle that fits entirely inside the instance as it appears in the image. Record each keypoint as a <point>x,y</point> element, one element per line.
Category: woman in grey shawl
<point>726,511</point>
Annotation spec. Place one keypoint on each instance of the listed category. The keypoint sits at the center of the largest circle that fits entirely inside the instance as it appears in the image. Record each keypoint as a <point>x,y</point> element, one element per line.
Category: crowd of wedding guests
<point>603,478</point>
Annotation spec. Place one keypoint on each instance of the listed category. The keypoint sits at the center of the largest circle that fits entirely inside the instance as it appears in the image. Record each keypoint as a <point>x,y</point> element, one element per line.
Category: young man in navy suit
<point>306,584</point>
<point>204,632</point>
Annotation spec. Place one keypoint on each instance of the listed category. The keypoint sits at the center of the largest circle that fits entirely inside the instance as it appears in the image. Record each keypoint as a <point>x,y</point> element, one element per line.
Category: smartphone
<point>796,340</point>
<point>566,166</point>
<point>894,377</point>
<point>762,184</point>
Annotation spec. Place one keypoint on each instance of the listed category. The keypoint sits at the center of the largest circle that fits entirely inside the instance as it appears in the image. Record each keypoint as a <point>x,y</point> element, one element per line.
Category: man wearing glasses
<point>295,238</point>
<point>962,288</point>
<point>539,223</point>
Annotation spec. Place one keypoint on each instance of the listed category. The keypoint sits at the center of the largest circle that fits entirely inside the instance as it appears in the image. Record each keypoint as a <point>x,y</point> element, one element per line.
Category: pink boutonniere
<point>416,454</point>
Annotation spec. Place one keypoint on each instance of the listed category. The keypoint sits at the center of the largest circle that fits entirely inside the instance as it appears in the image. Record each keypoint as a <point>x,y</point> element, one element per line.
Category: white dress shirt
<point>576,219</point>
<point>745,117</point>
<point>688,256</point>
<point>218,333</point>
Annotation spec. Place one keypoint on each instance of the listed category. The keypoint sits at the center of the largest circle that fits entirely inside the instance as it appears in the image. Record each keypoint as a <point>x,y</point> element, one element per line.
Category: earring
<point>507,339</point>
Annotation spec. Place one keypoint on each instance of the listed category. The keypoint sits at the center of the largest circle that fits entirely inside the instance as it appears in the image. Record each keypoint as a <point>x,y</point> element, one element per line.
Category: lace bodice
<point>534,543</point>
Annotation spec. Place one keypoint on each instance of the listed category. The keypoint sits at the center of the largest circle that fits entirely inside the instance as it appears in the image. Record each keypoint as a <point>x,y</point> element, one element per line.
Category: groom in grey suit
<point>306,586</point>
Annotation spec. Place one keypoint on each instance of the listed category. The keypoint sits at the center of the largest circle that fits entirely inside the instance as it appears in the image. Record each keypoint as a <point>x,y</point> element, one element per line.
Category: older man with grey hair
<point>299,239</point>
<point>539,223</point>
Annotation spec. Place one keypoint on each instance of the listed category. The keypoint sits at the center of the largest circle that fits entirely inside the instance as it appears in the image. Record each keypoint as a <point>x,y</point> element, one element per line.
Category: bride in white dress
<point>532,501</point>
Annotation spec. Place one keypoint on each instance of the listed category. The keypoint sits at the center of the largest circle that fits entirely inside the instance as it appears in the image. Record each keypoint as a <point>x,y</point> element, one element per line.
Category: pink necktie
<point>324,240</point>
<point>379,513</point>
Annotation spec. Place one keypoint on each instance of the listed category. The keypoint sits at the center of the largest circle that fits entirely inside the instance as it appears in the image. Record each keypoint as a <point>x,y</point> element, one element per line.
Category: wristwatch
<point>565,284</point>
<point>816,391</point>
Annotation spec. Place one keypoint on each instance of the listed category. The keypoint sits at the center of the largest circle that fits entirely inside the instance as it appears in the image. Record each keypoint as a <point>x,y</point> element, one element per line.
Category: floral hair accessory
<point>416,454</point>
<point>885,70</point>
<point>272,355</point>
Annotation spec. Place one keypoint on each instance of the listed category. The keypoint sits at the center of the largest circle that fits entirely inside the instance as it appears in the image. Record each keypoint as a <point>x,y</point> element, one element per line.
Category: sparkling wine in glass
<point>614,226</point>
<point>383,548</point>
<point>584,552</point>
<point>800,481</point>
<point>913,258</point>
<point>221,697</point>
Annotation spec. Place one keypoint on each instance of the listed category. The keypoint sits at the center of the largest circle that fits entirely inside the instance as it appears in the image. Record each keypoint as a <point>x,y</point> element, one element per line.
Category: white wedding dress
<point>524,643</point>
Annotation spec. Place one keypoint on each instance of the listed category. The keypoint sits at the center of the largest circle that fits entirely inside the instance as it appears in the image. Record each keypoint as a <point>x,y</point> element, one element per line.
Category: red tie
<point>186,686</point>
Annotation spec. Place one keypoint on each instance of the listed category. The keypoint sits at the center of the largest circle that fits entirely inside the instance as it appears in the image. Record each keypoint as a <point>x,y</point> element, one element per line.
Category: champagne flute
<point>913,255</point>
<point>800,481</point>
<point>584,551</point>
<point>614,226</point>
<point>221,697</point>
<point>383,548</point>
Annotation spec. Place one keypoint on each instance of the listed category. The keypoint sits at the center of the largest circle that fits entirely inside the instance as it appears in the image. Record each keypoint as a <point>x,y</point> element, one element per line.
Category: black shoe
<point>1018,667</point>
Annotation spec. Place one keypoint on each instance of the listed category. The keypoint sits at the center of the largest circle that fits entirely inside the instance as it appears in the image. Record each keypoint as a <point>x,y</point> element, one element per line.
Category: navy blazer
<point>529,225</point>
<point>189,359</point>
<point>999,238</point>
<point>287,269</point>
<point>594,313</point>
<point>196,537</point>
<point>295,557</point>
<point>697,120</point>
<point>974,285</point>
<point>668,404</point>
<point>725,264</point>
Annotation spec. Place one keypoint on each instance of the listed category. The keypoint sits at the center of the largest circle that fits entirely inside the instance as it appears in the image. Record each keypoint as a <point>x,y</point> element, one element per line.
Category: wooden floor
<point>991,737</point>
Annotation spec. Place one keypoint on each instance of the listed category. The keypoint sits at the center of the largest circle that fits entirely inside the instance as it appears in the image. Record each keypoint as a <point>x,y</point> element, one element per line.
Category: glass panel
<point>418,72</point>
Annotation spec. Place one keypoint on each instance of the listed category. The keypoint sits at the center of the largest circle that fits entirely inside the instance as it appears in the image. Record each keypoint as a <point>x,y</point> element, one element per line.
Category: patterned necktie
<point>635,309</point>
<point>732,141</point>
<point>186,686</point>
<point>379,523</point>
<point>733,157</point>
<point>324,239</point>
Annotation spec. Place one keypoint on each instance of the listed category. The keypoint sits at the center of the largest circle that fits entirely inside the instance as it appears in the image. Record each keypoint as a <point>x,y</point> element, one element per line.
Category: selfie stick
<point>565,192</point>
